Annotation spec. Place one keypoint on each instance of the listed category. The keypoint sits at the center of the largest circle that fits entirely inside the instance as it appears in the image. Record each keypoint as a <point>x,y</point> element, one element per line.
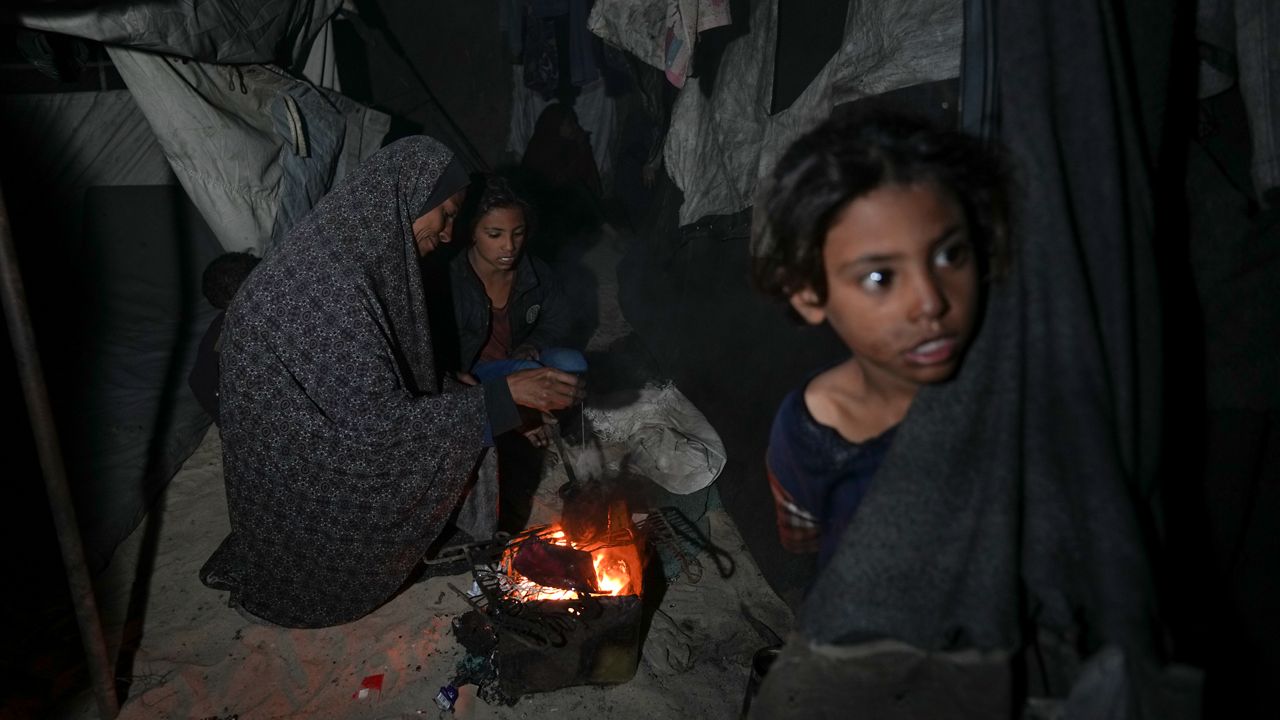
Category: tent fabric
<point>723,138</point>
<point>637,26</point>
<point>134,420</point>
<point>1241,37</point>
<point>125,430</point>
<point>253,147</point>
<point>222,31</point>
<point>86,139</point>
<point>1008,498</point>
<point>321,66</point>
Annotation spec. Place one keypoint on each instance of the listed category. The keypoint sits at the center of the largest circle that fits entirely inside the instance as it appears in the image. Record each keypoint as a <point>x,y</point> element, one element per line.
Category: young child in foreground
<point>886,229</point>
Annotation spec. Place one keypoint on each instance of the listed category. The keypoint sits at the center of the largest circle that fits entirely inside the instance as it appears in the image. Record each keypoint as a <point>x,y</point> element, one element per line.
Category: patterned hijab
<point>368,221</point>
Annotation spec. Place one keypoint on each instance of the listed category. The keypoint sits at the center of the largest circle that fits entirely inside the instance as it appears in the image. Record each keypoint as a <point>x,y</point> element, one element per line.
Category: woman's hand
<point>546,389</point>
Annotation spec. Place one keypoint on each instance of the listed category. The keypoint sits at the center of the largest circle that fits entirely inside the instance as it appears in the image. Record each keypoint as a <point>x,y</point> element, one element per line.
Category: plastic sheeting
<point>722,137</point>
<point>222,31</point>
<point>253,147</point>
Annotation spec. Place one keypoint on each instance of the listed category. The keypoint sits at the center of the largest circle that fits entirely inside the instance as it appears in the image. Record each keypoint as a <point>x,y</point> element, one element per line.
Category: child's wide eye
<point>876,280</point>
<point>953,254</point>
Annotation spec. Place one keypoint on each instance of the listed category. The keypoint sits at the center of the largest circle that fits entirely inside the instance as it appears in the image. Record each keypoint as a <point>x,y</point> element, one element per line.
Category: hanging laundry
<point>559,52</point>
<point>685,19</point>
<point>662,33</point>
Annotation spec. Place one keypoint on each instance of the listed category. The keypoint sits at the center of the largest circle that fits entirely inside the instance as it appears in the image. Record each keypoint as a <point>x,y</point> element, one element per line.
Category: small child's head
<point>882,226</point>
<point>222,277</point>
<point>501,220</point>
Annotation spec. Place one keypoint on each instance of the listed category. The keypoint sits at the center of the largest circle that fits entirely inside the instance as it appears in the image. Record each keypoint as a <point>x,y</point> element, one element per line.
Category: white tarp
<point>254,147</point>
<point>719,146</point>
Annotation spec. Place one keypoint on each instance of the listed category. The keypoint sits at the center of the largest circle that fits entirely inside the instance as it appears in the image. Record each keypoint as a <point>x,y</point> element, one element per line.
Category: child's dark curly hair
<point>222,277</point>
<point>849,156</point>
<point>493,192</point>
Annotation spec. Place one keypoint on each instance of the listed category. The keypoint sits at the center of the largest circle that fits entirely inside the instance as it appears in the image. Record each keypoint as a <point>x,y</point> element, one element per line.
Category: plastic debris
<point>368,686</point>
<point>447,696</point>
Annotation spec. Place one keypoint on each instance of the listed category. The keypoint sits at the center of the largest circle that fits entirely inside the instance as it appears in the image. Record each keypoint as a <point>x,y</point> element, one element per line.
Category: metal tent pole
<point>36,393</point>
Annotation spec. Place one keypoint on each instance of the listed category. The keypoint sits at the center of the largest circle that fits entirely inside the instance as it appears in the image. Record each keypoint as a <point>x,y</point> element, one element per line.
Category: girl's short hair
<point>493,192</point>
<point>849,156</point>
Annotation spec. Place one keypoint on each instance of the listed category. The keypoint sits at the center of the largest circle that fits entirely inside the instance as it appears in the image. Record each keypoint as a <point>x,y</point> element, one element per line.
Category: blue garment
<point>825,475</point>
<point>565,359</point>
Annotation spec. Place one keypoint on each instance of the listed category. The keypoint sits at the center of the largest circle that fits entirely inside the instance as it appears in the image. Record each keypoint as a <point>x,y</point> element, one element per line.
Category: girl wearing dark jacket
<point>509,309</point>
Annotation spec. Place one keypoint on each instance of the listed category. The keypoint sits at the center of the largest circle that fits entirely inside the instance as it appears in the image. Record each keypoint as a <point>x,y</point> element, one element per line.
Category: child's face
<point>498,238</point>
<point>902,285</point>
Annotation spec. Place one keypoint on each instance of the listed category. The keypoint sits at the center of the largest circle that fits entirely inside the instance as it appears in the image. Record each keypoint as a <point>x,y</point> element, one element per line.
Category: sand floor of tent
<point>188,655</point>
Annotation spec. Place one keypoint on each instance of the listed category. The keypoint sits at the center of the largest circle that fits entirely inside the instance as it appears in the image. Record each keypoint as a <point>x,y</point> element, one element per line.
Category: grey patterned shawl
<point>343,461</point>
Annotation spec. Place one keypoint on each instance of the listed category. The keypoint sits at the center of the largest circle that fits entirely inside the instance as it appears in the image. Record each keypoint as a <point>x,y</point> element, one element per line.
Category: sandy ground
<point>187,655</point>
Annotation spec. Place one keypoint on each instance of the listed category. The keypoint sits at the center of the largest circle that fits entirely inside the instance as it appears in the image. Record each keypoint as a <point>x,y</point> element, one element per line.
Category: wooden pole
<point>40,412</point>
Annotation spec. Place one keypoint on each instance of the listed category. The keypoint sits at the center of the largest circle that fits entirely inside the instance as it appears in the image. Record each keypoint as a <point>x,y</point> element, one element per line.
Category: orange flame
<point>613,574</point>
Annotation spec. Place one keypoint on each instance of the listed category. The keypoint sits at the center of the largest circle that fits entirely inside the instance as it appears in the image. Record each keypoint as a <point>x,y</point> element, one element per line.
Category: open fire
<point>611,569</point>
<point>559,606</point>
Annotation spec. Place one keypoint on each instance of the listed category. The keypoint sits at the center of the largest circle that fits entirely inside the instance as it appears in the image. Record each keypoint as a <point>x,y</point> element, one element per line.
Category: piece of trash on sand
<point>447,696</point>
<point>368,686</point>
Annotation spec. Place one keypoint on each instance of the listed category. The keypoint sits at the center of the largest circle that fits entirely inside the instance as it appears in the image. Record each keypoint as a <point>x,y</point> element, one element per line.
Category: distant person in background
<point>510,311</point>
<point>559,156</point>
<point>221,279</point>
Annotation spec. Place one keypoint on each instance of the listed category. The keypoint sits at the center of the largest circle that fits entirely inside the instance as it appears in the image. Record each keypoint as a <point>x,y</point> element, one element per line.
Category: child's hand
<point>546,389</point>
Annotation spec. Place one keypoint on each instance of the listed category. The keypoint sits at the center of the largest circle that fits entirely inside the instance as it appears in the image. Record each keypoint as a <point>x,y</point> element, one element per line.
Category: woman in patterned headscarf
<point>343,458</point>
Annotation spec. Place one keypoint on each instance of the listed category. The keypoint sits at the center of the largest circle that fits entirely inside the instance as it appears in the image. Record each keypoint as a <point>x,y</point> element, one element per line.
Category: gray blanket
<point>1010,498</point>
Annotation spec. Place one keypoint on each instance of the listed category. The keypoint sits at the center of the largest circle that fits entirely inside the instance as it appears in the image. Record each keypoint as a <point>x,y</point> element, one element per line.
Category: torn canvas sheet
<point>253,147</point>
<point>723,139</point>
